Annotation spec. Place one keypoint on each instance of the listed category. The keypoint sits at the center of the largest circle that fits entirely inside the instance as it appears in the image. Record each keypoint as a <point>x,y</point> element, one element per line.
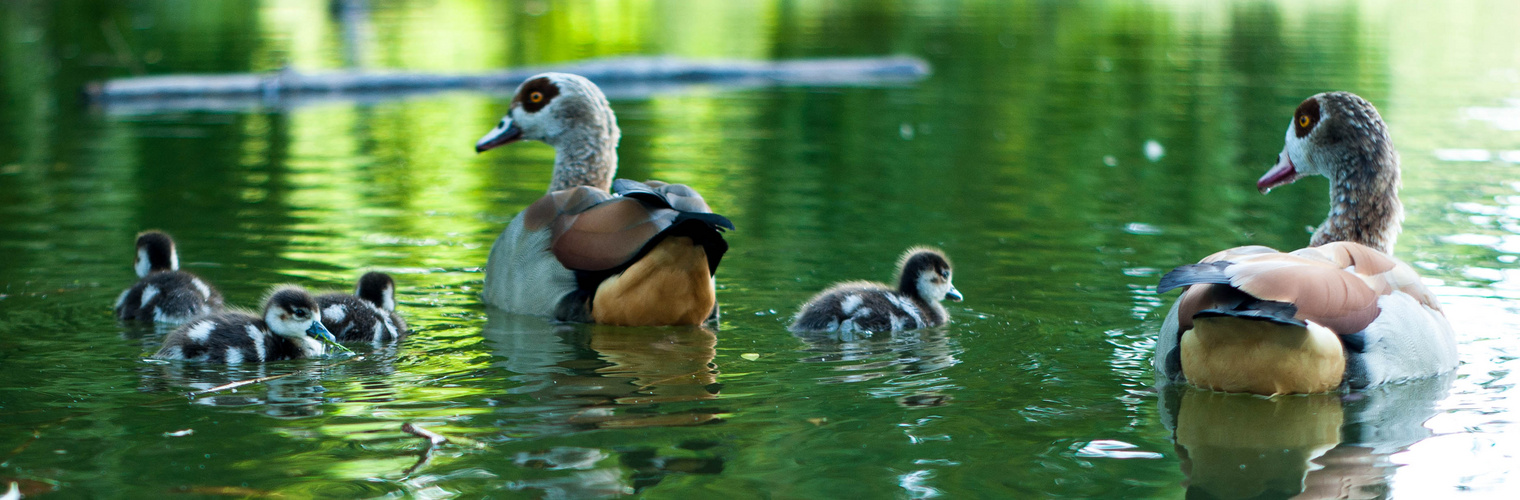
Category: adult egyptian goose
<point>1342,313</point>
<point>642,254</point>
<point>164,294</point>
<point>923,279</point>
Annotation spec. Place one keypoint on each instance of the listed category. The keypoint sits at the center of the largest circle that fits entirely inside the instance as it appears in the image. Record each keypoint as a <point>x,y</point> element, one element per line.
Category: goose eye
<point>536,97</point>
<point>1303,120</point>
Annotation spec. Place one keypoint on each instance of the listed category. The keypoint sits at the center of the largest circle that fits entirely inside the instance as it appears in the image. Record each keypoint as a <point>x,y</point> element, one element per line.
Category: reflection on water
<point>577,377</point>
<point>909,360</point>
<point>1030,154</point>
<point>1302,446</point>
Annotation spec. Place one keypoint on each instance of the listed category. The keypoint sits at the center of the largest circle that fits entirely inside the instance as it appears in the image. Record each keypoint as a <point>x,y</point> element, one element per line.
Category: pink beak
<point>1281,173</point>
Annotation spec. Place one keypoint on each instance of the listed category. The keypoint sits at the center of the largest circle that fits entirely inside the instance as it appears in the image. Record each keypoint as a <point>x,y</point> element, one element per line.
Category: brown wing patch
<point>565,202</point>
<point>1322,292</point>
<point>607,235</point>
<point>1336,285</point>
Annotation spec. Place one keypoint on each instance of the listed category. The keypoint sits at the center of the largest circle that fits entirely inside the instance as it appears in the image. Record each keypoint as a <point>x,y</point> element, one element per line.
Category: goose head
<point>292,313</point>
<point>155,252</point>
<point>558,109</point>
<point>925,273</point>
<point>1334,134</point>
<point>1341,136</point>
<point>377,288</point>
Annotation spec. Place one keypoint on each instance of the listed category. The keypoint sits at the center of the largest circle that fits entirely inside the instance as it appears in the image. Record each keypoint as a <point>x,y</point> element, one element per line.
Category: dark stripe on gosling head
<point>292,299</point>
<point>158,249</point>
<point>377,288</point>
<point>918,261</point>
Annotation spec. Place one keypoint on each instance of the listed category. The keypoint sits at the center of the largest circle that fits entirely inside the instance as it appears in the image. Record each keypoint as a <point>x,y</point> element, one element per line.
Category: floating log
<point>635,75</point>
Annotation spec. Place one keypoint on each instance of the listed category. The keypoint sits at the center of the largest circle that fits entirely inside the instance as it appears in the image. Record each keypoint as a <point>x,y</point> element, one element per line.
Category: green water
<point>1023,156</point>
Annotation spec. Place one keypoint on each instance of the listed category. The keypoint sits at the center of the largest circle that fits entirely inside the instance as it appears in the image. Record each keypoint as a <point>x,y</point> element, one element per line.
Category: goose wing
<point>595,231</point>
<point>1336,286</point>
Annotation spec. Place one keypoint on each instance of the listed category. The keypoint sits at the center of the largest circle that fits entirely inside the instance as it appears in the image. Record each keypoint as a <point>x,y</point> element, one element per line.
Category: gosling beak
<point>953,295</point>
<point>504,133</point>
<point>1281,173</point>
<point>320,332</point>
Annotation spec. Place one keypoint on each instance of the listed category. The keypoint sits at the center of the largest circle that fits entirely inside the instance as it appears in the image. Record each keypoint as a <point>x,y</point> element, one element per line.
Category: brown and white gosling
<point>923,279</point>
<point>290,329</point>
<point>164,294</point>
<point>369,315</point>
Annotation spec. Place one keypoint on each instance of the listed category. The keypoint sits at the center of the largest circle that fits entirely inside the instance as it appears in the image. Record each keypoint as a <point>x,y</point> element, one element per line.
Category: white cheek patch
<point>281,325</point>
<point>389,303</point>
<point>142,266</point>
<point>173,259</point>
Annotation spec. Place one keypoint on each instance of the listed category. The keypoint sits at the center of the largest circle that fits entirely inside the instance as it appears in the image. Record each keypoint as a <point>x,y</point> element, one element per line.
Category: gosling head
<point>155,253</point>
<point>292,313</point>
<point>925,272</point>
<point>378,289</point>
<point>1334,134</point>
<point>557,109</point>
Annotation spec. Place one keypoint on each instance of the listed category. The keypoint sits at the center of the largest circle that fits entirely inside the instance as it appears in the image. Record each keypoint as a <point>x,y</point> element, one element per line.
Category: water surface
<point>1063,155</point>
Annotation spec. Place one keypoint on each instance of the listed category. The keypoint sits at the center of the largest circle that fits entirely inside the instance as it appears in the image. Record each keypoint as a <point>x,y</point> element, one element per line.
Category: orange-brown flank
<point>669,286</point>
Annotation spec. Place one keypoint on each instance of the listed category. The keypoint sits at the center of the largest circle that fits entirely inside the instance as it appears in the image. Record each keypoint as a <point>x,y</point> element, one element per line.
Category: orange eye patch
<point>536,97</point>
<point>1303,121</point>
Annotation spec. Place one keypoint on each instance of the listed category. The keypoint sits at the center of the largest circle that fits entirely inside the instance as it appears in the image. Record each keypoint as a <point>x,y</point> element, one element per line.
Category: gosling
<point>369,315</point>
<point>290,329</point>
<point>923,280</point>
<point>164,294</point>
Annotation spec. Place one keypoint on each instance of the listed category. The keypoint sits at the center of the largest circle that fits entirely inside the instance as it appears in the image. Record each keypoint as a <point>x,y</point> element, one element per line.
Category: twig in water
<point>434,440</point>
<point>240,383</point>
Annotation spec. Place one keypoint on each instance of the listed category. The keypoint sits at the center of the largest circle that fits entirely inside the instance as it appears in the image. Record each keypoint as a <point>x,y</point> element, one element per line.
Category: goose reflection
<point>579,376</point>
<point>909,356</point>
<point>1303,446</point>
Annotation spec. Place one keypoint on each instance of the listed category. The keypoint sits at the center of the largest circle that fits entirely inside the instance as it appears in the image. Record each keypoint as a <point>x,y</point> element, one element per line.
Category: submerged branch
<point>240,383</point>
<point>619,77</point>
<point>434,440</point>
